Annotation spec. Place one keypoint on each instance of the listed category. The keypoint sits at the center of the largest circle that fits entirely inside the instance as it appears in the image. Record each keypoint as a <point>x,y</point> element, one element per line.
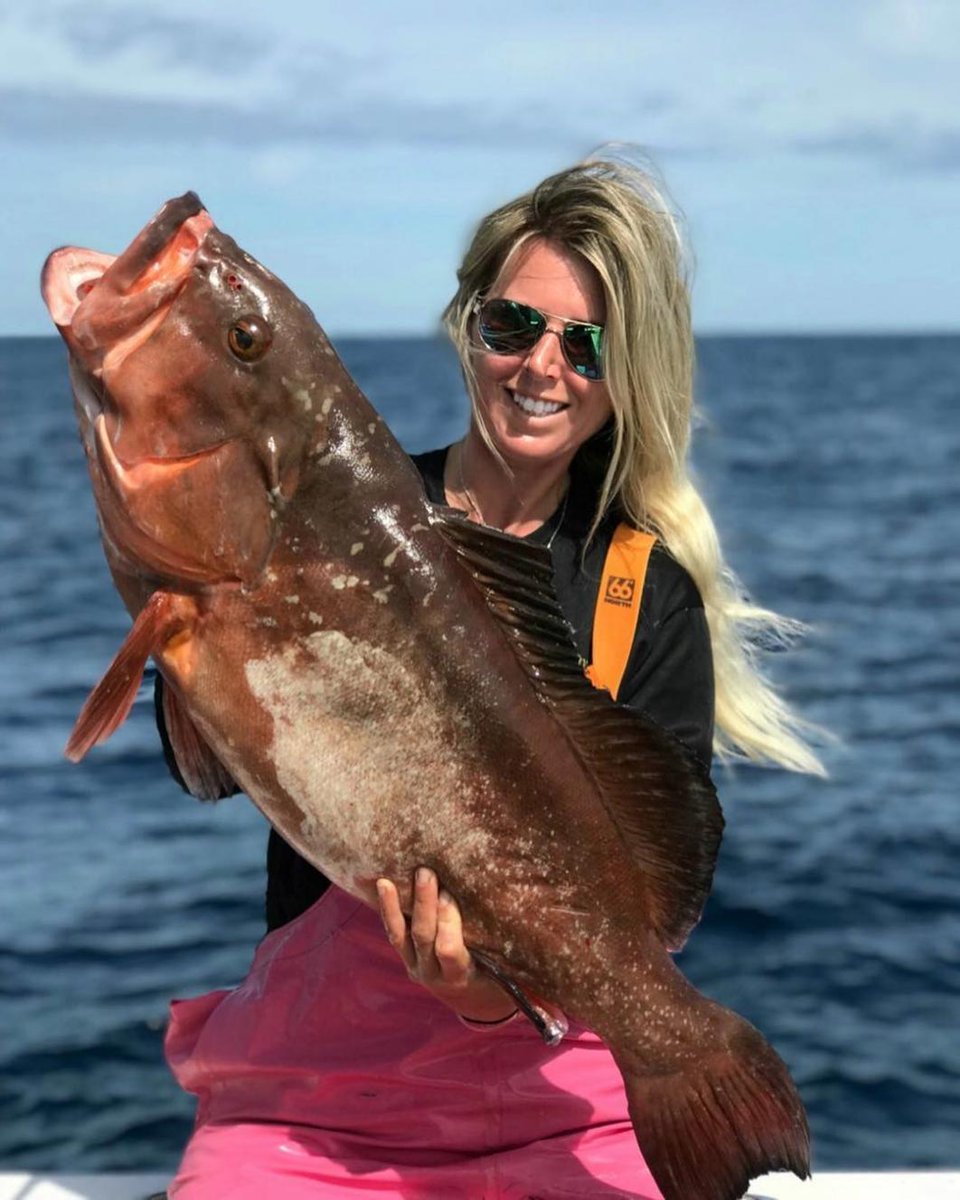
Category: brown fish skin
<point>385,689</point>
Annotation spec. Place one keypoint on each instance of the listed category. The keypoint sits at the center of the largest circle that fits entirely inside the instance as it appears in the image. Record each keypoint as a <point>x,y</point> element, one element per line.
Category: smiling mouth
<point>535,408</point>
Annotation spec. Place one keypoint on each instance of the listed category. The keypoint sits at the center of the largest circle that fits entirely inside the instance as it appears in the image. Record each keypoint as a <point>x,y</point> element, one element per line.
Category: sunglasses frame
<point>595,333</point>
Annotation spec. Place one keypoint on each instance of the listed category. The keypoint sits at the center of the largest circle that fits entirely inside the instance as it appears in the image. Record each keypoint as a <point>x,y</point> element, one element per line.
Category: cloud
<point>110,74</point>
<point>901,145</point>
<point>75,117</point>
<point>106,33</point>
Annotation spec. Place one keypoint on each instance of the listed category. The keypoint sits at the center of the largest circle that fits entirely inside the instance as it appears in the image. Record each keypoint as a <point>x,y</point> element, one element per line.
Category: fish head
<point>199,381</point>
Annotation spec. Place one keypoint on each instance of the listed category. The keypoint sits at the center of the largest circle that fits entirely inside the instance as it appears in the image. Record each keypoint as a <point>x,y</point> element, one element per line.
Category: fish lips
<point>104,305</point>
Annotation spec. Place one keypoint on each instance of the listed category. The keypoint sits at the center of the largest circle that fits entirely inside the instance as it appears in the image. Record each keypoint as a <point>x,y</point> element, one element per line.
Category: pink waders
<point>328,1073</point>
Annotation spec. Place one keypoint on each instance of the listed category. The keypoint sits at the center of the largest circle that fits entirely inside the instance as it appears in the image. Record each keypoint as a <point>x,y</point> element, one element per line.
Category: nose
<point>546,357</point>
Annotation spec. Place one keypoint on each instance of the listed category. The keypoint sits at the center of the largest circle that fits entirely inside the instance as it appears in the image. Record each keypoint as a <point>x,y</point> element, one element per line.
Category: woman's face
<point>549,278</point>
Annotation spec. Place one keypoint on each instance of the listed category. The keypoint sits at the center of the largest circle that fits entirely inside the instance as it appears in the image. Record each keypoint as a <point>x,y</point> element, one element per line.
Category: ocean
<point>833,467</point>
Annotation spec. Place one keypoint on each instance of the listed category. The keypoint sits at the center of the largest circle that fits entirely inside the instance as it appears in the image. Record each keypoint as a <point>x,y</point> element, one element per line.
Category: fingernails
<point>444,897</point>
<point>424,875</point>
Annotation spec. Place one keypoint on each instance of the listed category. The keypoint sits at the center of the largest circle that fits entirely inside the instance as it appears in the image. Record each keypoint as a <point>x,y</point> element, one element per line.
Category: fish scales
<point>392,685</point>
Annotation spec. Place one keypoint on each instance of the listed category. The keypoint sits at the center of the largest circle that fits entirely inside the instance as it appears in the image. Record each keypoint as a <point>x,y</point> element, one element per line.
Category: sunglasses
<point>508,327</point>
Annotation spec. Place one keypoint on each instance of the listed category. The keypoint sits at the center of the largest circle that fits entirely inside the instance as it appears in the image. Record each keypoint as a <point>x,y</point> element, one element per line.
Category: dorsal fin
<point>654,790</point>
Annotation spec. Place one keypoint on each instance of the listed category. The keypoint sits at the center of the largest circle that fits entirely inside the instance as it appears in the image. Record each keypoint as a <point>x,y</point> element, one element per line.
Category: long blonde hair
<point>617,218</point>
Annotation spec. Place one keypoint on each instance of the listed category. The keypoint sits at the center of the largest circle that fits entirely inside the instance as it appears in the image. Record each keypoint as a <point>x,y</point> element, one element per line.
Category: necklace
<point>475,507</point>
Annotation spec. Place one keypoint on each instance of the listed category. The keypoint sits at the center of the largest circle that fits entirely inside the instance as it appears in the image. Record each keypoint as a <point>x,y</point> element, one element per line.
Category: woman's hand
<point>434,953</point>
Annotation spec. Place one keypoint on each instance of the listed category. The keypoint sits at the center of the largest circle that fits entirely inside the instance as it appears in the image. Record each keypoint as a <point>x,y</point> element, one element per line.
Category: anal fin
<point>109,704</point>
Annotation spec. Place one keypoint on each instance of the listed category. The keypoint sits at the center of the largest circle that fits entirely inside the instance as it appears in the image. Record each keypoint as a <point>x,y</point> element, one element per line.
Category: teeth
<point>535,408</point>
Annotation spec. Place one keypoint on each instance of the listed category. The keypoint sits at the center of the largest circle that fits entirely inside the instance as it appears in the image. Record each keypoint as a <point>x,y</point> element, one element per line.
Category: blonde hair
<point>617,218</point>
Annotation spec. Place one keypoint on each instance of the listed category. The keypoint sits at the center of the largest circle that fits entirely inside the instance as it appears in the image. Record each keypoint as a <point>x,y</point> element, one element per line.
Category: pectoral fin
<point>109,703</point>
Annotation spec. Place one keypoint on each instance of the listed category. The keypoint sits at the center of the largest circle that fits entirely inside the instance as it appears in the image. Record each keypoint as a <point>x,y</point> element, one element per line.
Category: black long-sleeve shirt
<point>669,674</point>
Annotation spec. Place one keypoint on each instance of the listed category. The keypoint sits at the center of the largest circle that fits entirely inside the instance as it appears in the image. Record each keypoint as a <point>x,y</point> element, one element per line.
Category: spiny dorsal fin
<point>654,790</point>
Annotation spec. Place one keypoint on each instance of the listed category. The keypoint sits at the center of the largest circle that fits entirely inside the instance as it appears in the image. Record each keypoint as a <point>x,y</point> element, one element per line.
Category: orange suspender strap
<point>618,606</point>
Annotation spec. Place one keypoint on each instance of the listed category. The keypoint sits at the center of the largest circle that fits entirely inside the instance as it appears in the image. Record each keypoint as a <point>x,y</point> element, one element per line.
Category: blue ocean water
<point>833,465</point>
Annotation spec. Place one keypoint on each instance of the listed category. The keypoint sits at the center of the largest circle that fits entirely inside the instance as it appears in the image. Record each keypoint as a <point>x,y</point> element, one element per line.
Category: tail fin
<point>708,1129</point>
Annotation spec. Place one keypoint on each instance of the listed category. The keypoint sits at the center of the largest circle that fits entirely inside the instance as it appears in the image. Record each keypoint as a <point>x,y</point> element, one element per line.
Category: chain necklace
<point>475,507</point>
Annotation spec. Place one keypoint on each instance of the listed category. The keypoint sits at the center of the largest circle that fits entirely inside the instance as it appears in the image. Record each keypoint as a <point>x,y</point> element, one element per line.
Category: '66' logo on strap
<point>619,590</point>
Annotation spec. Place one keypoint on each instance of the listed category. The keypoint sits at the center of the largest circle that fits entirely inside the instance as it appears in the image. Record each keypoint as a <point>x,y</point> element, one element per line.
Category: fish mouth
<point>105,306</point>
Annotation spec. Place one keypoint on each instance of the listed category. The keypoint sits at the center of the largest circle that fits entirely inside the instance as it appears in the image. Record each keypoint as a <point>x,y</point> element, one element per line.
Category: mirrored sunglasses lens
<point>582,345</point>
<point>509,328</point>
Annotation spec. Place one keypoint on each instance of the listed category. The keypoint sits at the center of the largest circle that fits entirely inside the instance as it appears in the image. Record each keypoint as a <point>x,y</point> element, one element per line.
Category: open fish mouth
<point>106,305</point>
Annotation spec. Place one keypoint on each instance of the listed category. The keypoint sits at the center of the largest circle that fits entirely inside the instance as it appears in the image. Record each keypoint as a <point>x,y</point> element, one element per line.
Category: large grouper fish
<point>393,685</point>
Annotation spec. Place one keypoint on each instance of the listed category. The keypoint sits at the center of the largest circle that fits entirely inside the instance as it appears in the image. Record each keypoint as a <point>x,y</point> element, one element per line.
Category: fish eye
<point>249,339</point>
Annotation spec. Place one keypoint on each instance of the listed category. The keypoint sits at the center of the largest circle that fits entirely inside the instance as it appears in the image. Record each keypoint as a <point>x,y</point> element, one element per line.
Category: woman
<point>333,1070</point>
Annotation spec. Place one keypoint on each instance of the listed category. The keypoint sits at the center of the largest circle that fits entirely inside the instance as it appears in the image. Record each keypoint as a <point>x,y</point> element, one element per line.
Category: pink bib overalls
<point>328,1073</point>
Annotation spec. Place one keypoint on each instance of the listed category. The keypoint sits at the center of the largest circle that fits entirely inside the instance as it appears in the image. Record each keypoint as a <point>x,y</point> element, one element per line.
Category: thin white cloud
<point>698,81</point>
<point>409,122</point>
<point>897,144</point>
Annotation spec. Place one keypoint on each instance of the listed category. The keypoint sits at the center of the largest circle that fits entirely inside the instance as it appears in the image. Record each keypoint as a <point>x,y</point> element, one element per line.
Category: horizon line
<point>439,335</point>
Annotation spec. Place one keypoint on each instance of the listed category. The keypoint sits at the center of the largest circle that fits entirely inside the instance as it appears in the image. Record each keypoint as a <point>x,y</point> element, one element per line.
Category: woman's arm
<point>433,950</point>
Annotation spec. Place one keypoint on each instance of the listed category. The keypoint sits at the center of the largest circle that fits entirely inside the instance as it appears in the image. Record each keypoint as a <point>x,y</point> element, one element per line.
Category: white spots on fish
<point>372,427</point>
<point>418,528</point>
<point>301,394</point>
<point>391,557</point>
<point>314,618</point>
<point>372,756</point>
<point>269,622</point>
<point>291,599</point>
<point>271,576</point>
<point>345,581</point>
<point>326,405</point>
<point>306,400</point>
<point>356,548</point>
<point>382,595</point>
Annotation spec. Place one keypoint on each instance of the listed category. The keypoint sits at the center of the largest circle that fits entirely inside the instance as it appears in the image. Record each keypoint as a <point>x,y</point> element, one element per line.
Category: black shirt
<point>669,674</point>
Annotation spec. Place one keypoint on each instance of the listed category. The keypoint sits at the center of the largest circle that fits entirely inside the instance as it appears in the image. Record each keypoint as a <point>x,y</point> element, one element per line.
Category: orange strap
<point>618,606</point>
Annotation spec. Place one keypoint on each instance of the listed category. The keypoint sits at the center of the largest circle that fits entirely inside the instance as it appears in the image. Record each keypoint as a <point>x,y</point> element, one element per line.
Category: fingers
<point>395,923</point>
<point>423,921</point>
<point>452,955</point>
<point>434,953</point>
<point>432,946</point>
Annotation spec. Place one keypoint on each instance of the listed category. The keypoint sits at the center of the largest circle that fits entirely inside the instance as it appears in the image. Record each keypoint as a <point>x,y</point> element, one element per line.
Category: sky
<point>813,148</point>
